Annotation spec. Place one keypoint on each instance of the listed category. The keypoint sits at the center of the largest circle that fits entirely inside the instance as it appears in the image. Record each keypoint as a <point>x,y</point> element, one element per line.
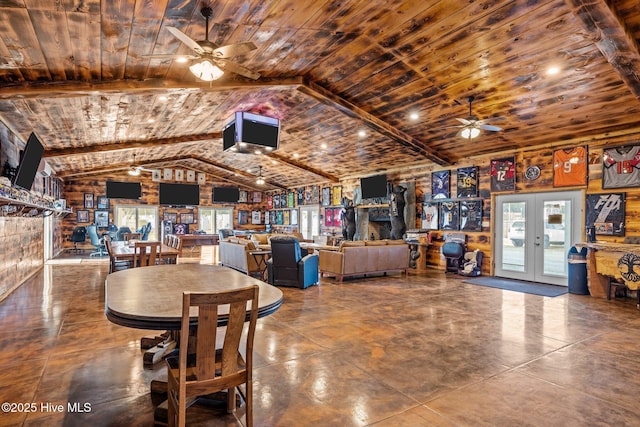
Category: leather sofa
<point>359,258</point>
<point>234,253</point>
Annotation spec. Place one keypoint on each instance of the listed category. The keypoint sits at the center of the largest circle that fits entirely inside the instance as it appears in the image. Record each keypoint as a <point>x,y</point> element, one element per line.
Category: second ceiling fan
<point>471,125</point>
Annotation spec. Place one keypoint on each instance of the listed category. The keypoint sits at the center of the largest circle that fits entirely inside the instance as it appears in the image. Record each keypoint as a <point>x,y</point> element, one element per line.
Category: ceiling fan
<point>210,61</point>
<point>135,170</point>
<point>471,125</point>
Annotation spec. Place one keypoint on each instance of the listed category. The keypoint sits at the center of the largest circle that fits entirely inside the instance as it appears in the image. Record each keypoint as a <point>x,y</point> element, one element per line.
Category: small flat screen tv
<point>226,194</point>
<point>374,187</point>
<point>248,132</point>
<point>123,190</point>
<point>31,156</point>
<point>179,194</point>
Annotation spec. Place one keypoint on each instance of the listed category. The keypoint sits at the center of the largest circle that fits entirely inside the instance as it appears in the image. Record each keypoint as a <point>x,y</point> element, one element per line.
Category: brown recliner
<point>288,266</point>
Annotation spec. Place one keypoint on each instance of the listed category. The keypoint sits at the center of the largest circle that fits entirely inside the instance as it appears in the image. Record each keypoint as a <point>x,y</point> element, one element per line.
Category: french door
<point>534,233</point>
<point>309,221</point>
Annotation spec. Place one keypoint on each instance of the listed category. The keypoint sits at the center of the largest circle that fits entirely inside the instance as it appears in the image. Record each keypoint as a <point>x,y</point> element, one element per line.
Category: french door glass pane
<point>514,222</point>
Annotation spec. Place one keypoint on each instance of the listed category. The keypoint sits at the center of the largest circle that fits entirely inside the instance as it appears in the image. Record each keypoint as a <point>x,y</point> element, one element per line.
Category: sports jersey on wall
<point>430,215</point>
<point>621,167</point>
<point>471,215</point>
<point>503,174</point>
<point>449,216</point>
<point>440,184</point>
<point>467,183</point>
<point>570,167</point>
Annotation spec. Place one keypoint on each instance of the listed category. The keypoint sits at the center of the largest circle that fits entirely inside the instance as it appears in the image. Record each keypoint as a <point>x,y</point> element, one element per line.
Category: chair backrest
<point>229,361</point>
<point>79,234</point>
<point>145,253</point>
<point>223,233</point>
<point>177,243</point>
<point>121,231</point>
<point>92,231</point>
<point>145,231</point>
<point>285,252</point>
<point>131,236</point>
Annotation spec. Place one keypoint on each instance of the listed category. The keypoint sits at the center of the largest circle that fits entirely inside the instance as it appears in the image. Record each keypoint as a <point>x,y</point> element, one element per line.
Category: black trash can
<point>578,271</point>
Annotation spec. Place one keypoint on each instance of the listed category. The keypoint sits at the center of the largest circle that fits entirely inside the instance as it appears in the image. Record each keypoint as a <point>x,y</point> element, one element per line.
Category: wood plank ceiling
<point>76,73</point>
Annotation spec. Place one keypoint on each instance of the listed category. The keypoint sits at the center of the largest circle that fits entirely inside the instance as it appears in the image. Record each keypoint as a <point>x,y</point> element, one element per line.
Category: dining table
<point>151,298</point>
<point>123,250</point>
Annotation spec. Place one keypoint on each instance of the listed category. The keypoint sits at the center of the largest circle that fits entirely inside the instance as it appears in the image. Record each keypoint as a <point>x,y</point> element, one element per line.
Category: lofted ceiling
<point>77,73</point>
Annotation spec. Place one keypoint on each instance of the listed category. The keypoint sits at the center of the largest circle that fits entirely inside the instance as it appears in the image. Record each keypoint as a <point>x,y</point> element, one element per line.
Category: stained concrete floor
<point>415,350</point>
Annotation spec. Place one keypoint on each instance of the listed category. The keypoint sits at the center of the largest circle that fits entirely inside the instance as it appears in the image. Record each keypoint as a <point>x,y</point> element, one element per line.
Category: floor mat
<point>519,286</point>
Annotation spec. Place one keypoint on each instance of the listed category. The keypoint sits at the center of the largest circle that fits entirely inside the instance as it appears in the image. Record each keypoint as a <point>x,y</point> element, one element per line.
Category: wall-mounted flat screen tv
<point>29,163</point>
<point>226,194</point>
<point>179,194</point>
<point>374,187</point>
<point>248,132</point>
<point>123,190</point>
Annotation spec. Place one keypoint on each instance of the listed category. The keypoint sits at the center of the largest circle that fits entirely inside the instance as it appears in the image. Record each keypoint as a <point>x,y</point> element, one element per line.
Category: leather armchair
<point>288,267</point>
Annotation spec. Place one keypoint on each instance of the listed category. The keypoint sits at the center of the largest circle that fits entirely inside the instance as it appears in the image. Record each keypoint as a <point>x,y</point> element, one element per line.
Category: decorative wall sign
<point>276,201</point>
<point>179,175</point>
<point>283,200</point>
<point>202,178</point>
<point>328,217</point>
<point>180,228</point>
<point>167,174</point>
<point>440,184</point>
<point>337,217</point>
<point>103,202</point>
<point>449,215</point>
<point>191,176</point>
<point>294,216</point>
<point>186,218</point>
<point>156,175</point>
<point>279,218</point>
<point>336,195</point>
<point>430,215</point>
<point>286,216</point>
<point>621,167</point>
<point>269,201</point>
<point>471,215</point>
<point>88,200</point>
<point>82,216</point>
<point>101,218</point>
<point>606,212</point>
<point>243,196</point>
<point>503,174</point>
<point>301,196</point>
<point>326,196</point>
<point>171,216</point>
<point>532,173</point>
<point>291,198</point>
<point>255,217</point>
<point>257,197</point>
<point>315,195</point>
<point>467,182</point>
<point>570,167</point>
<point>243,217</point>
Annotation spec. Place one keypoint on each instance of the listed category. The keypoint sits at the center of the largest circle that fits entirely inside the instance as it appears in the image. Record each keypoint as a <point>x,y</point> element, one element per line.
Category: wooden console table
<point>618,260</point>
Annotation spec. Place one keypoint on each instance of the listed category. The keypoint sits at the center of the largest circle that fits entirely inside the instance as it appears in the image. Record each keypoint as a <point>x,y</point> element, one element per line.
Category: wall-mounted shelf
<point>13,207</point>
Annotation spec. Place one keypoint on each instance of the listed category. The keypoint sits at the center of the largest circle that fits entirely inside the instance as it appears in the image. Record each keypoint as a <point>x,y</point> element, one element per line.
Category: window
<point>135,216</point>
<point>213,219</point>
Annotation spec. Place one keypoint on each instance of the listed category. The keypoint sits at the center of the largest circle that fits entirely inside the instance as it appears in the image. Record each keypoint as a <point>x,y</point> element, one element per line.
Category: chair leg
<point>231,399</point>
<point>609,289</point>
<point>249,404</point>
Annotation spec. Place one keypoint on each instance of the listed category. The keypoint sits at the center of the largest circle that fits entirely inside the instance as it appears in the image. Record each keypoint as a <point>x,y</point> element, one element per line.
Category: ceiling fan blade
<point>232,50</point>
<point>491,119</point>
<point>237,68</point>
<point>489,127</point>
<point>170,56</point>
<point>464,121</point>
<point>185,39</point>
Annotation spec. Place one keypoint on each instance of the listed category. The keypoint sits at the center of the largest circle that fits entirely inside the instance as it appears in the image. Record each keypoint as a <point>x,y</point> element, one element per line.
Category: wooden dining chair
<point>212,369</point>
<point>131,236</point>
<point>115,264</point>
<point>145,253</point>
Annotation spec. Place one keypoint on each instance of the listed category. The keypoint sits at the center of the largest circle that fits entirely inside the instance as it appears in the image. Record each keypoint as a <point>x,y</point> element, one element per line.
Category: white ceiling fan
<point>210,61</point>
<point>471,125</point>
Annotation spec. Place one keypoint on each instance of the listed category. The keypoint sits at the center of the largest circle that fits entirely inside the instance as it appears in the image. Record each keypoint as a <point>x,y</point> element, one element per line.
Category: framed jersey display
<point>467,182</point>
<point>440,184</point>
<point>570,167</point>
<point>449,215</point>
<point>621,167</point>
<point>430,215</point>
<point>503,174</point>
<point>471,215</point>
<point>605,212</point>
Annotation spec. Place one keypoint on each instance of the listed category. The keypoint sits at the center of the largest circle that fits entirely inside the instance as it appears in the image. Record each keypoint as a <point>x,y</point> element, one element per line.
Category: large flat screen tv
<point>226,194</point>
<point>29,163</point>
<point>123,190</point>
<point>248,132</point>
<point>374,187</point>
<point>179,194</point>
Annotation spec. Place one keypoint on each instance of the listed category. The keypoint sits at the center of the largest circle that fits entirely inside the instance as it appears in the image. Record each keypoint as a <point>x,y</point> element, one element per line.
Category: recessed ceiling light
<point>273,162</point>
<point>323,146</point>
<point>414,116</point>
<point>362,134</point>
<point>181,59</point>
<point>162,98</point>
<point>257,152</point>
<point>150,120</point>
<point>553,70</point>
<point>296,155</point>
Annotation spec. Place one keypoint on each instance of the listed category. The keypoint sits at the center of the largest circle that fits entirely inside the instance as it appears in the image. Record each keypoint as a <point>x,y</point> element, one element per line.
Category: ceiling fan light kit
<point>470,132</point>
<point>205,70</point>
<point>260,180</point>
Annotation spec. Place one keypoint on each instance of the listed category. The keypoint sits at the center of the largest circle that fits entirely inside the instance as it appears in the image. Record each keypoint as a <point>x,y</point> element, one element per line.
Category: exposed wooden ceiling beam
<point>301,166</point>
<point>73,174</point>
<point>611,35</point>
<point>236,171</point>
<point>66,89</point>
<point>325,96</point>
<point>126,145</point>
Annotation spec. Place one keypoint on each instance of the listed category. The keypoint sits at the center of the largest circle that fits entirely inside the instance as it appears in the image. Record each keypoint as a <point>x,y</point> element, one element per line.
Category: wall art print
<point>606,212</point>
<point>440,184</point>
